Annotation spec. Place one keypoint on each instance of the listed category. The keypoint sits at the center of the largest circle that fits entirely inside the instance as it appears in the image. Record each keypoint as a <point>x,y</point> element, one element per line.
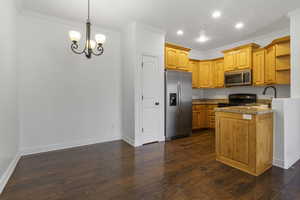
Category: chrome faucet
<point>274,88</point>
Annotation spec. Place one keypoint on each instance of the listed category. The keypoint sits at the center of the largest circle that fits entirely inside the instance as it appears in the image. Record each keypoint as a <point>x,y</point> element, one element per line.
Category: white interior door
<point>151,106</point>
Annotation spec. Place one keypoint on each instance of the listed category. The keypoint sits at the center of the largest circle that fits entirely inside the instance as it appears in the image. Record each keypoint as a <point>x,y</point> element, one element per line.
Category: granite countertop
<point>252,110</point>
<point>216,101</point>
<point>209,101</point>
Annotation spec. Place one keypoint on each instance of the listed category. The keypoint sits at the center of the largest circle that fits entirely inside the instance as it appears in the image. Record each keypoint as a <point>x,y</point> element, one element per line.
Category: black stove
<point>239,100</point>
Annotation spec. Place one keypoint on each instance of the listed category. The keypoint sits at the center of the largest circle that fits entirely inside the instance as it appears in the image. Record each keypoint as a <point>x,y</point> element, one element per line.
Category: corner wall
<point>138,40</point>
<point>9,133</point>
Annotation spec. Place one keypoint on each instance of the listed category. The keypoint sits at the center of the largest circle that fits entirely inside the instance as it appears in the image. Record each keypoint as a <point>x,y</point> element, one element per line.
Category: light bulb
<point>74,36</point>
<point>100,38</point>
<point>203,38</point>
<point>216,14</point>
<point>239,25</point>
<point>180,32</point>
<point>92,43</point>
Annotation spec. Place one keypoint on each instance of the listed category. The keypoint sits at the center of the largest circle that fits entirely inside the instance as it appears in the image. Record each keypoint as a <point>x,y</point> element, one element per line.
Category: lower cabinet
<point>245,143</point>
<point>203,116</point>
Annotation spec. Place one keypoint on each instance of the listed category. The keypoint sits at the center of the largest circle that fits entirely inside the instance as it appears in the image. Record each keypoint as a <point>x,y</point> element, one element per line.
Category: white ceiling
<point>192,16</point>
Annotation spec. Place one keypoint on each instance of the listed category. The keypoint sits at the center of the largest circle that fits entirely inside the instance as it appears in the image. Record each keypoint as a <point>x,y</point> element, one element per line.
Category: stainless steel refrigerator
<point>178,109</point>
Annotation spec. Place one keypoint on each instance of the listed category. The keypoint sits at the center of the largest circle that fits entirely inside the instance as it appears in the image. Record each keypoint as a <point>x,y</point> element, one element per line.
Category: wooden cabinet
<point>205,74</point>
<point>245,143</point>
<point>270,69</point>
<point>259,67</point>
<point>243,58</point>
<point>195,67</point>
<point>218,73</point>
<point>200,117</point>
<point>229,61</point>
<point>177,57</point>
<point>271,65</point>
<point>183,60</point>
<point>171,58</point>
<point>239,58</point>
<point>203,116</point>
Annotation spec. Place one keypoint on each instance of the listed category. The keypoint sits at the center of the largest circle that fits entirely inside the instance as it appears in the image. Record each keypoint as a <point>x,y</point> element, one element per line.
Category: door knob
<point>157,103</point>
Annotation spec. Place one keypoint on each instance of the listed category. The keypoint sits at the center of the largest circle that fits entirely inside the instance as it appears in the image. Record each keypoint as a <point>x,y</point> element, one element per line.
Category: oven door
<point>233,79</point>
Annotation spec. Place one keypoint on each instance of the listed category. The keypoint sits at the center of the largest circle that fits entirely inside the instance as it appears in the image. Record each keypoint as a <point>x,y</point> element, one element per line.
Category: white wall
<point>286,132</point>
<point>9,137</point>
<point>295,52</point>
<point>138,40</point>
<point>65,99</point>
<point>128,75</point>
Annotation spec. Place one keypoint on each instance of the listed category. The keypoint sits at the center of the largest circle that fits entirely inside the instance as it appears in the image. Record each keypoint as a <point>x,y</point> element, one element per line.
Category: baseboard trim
<point>129,141</point>
<point>9,171</point>
<point>55,147</point>
<point>278,163</point>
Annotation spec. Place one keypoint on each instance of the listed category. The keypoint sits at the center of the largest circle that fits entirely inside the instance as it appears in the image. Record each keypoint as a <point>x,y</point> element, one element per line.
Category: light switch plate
<point>247,117</point>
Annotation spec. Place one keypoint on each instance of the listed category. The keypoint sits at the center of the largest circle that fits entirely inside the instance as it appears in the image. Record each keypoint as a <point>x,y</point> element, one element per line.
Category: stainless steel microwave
<point>238,78</point>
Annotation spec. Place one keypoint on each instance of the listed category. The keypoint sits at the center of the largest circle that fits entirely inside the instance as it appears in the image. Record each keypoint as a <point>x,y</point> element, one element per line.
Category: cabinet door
<point>183,59</point>
<point>195,68</point>
<point>203,120</point>
<point>219,73</point>
<point>270,69</point>
<point>171,58</point>
<point>200,119</point>
<point>240,141</point>
<point>229,61</point>
<point>234,140</point>
<point>259,68</point>
<point>225,142</point>
<point>243,60</point>
<point>205,76</point>
<point>195,120</point>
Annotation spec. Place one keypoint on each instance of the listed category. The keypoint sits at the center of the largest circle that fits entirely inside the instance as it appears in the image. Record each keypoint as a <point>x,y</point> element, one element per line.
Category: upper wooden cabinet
<point>218,73</point>
<point>239,58</point>
<point>229,61</point>
<point>171,58</point>
<point>205,74</point>
<point>271,65</point>
<point>259,67</point>
<point>177,57</point>
<point>195,67</point>
<point>270,69</point>
<point>243,58</point>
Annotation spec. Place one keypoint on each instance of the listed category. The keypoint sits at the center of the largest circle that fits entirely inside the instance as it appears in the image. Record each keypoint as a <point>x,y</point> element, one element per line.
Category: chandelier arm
<point>74,48</point>
<point>99,52</point>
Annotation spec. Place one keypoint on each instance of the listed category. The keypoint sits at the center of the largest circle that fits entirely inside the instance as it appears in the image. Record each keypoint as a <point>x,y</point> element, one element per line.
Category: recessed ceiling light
<point>180,32</point>
<point>202,38</point>
<point>216,14</point>
<point>239,25</point>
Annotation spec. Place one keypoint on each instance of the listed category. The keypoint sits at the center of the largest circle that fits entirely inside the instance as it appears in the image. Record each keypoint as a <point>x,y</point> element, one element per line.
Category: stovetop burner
<point>239,100</point>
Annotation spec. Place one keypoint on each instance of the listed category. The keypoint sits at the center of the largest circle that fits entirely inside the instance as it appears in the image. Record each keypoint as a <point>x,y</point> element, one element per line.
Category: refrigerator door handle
<point>179,98</point>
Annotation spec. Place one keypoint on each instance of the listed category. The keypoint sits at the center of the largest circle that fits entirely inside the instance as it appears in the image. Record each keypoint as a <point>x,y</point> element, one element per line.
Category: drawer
<point>199,107</point>
<point>211,119</point>
<point>211,113</point>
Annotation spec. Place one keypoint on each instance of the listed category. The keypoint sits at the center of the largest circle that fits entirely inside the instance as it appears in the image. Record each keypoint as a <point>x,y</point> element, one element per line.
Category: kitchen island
<point>244,138</point>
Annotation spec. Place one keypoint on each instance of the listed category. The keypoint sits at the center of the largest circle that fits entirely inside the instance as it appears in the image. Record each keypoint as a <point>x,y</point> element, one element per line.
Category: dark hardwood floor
<point>184,169</point>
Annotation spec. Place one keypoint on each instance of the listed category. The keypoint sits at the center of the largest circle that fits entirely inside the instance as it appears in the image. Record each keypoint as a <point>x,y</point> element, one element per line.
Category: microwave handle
<point>243,80</point>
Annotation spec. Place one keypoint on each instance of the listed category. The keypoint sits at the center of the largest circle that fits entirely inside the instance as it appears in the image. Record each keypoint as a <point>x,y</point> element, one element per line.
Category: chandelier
<point>91,47</point>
